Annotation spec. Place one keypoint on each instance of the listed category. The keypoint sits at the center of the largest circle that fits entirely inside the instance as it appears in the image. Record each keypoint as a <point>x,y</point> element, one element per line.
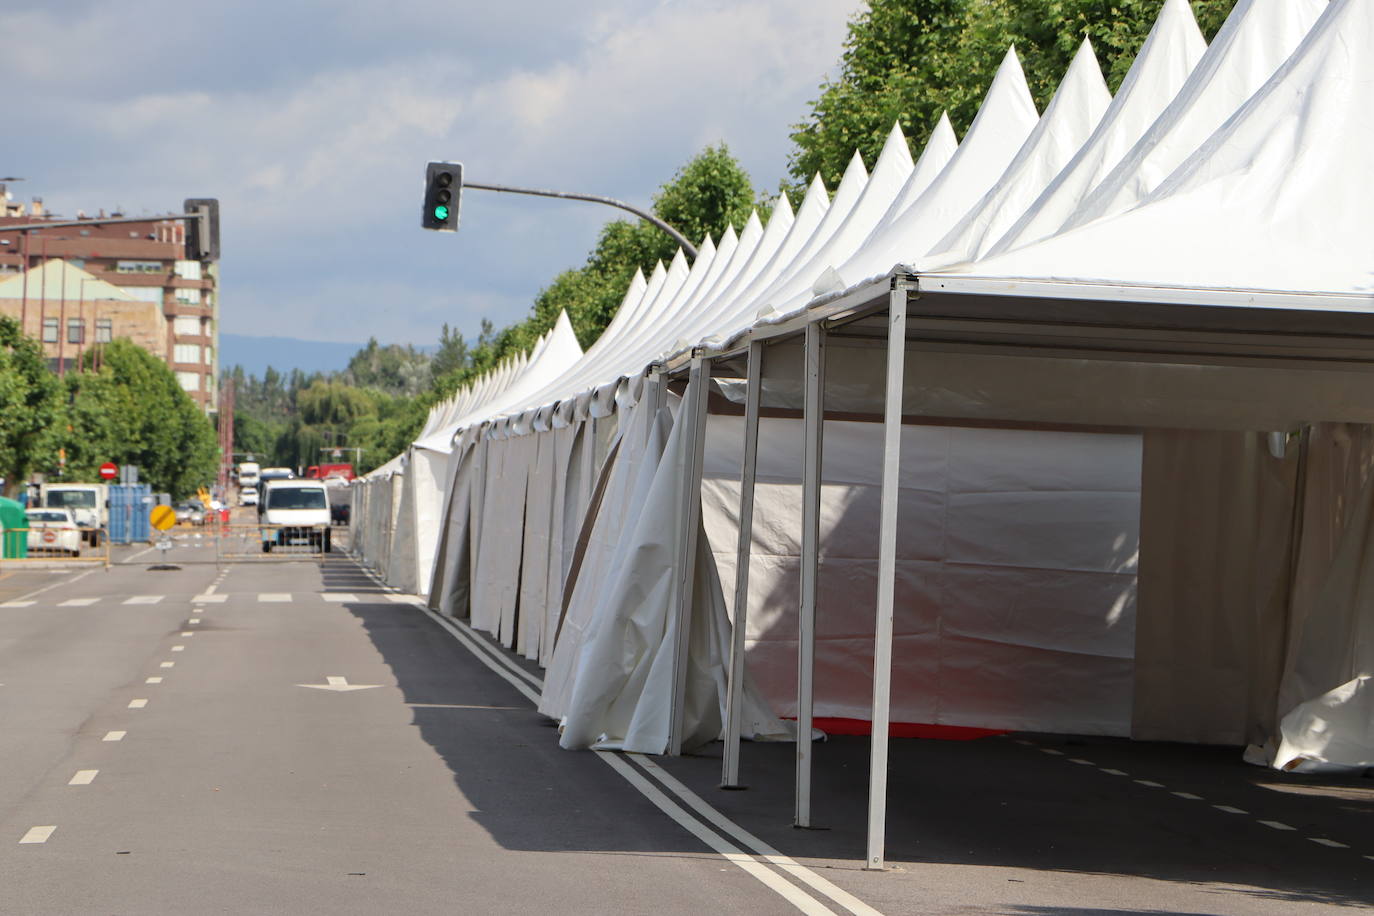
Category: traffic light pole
<point>687,246</point>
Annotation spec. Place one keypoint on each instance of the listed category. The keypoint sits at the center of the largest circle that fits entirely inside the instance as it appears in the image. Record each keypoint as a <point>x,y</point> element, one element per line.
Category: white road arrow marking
<point>340,684</point>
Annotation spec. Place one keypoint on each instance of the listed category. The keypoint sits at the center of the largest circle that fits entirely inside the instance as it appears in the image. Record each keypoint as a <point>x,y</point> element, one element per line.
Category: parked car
<point>192,513</point>
<point>54,531</point>
<point>248,496</point>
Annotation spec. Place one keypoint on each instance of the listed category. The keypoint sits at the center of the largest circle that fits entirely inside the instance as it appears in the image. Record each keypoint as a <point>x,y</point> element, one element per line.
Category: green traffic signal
<point>441,212</point>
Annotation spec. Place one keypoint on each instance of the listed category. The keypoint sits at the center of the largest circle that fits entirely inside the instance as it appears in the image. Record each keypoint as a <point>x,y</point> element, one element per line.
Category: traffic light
<point>443,194</point>
<point>202,235</point>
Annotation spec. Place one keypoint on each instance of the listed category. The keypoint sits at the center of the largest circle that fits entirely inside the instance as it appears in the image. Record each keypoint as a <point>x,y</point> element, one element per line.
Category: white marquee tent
<point>1121,421</point>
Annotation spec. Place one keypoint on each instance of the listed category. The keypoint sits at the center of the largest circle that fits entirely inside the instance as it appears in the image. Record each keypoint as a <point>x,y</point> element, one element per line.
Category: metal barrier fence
<point>263,542</point>
<point>46,547</point>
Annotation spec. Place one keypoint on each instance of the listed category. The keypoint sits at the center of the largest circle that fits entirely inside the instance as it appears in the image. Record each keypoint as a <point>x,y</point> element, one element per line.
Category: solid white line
<point>130,559</point>
<point>274,597</point>
<point>47,588</point>
<point>38,834</point>
<point>727,850</point>
<point>340,597</point>
<point>478,641</point>
<point>78,602</point>
<point>83,778</point>
<point>137,704</point>
<point>507,670</point>
<point>114,736</point>
<point>145,599</point>
<point>153,680</point>
<point>721,822</point>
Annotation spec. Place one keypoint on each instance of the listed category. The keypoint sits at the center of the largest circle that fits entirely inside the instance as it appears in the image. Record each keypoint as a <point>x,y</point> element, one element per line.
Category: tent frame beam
<point>734,691</point>
<point>887,573</point>
<point>813,422</point>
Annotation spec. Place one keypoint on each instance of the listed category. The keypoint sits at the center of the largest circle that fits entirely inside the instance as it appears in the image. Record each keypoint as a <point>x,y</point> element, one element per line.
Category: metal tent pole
<point>887,566</point>
<point>813,432</point>
<point>734,691</point>
<point>694,414</point>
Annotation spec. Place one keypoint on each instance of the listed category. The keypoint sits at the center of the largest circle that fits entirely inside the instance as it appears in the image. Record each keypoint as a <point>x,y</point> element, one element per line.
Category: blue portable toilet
<point>130,504</point>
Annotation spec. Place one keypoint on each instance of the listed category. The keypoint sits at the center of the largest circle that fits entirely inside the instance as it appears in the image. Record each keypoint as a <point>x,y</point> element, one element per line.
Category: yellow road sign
<point>162,517</point>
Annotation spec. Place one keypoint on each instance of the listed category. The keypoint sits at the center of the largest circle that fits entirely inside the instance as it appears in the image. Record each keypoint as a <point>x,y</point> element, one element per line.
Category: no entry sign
<point>109,471</point>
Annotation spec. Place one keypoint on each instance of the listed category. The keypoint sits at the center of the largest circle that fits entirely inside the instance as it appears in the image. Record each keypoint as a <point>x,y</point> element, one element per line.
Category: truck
<point>89,504</point>
<point>248,474</point>
<point>328,471</point>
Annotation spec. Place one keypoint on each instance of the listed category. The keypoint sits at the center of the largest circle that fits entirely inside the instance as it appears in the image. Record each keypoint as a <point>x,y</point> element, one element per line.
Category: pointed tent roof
<point>1280,199</point>
<point>1255,40</point>
<point>1068,121</point>
<point>1170,52</point>
<point>1003,123</point>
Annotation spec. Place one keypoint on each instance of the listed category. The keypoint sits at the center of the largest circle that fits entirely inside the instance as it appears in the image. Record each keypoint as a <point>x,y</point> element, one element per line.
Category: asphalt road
<point>160,754</point>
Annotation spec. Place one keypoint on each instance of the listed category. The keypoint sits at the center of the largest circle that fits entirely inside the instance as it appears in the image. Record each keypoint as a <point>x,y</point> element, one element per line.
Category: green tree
<point>133,411</point>
<point>28,404</point>
<point>905,61</point>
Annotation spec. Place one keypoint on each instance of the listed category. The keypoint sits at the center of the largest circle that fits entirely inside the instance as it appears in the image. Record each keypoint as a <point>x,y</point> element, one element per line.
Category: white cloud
<point>314,133</point>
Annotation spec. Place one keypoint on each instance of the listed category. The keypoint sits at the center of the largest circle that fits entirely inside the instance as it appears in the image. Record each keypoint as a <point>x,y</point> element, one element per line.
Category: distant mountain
<point>255,354</point>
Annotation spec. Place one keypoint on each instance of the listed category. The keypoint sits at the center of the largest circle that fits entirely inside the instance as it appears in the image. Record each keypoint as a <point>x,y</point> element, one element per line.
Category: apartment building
<point>77,285</point>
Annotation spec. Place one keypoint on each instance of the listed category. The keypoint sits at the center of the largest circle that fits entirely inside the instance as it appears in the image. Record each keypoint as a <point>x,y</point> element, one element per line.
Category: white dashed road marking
<point>38,834</point>
<point>1277,825</point>
<point>208,598</point>
<point>1150,783</point>
<point>274,597</point>
<point>1229,810</point>
<point>1324,842</point>
<point>114,736</point>
<point>340,597</point>
<point>144,599</point>
<point>1188,795</point>
<point>153,680</point>
<point>78,602</point>
<point>20,604</point>
<point>83,778</point>
<point>178,648</point>
<point>193,621</point>
<point>137,704</point>
<point>1111,772</point>
<point>168,665</point>
<point>188,633</point>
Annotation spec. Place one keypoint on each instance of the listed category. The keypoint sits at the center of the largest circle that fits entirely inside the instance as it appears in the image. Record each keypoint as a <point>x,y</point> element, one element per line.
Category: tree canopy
<point>905,61</point>
<point>133,411</point>
<point>28,404</point>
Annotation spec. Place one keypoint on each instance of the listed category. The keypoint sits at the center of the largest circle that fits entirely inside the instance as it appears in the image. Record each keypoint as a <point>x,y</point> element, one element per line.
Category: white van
<point>89,504</point>
<point>298,513</point>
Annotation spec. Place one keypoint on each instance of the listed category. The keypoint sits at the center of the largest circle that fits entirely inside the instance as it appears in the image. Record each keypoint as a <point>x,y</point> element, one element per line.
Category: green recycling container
<point>14,523</point>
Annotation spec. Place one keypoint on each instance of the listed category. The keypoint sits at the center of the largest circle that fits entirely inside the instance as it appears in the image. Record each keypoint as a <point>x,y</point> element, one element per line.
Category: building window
<point>76,330</point>
<point>209,356</point>
<point>139,267</point>
<point>188,270</point>
<point>104,330</point>
<point>144,293</point>
<point>186,353</point>
<point>190,381</point>
<point>50,330</point>
<point>188,296</point>
<point>186,326</point>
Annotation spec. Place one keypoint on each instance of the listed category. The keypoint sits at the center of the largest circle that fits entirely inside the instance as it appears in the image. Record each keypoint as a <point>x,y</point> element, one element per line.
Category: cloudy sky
<point>312,121</point>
